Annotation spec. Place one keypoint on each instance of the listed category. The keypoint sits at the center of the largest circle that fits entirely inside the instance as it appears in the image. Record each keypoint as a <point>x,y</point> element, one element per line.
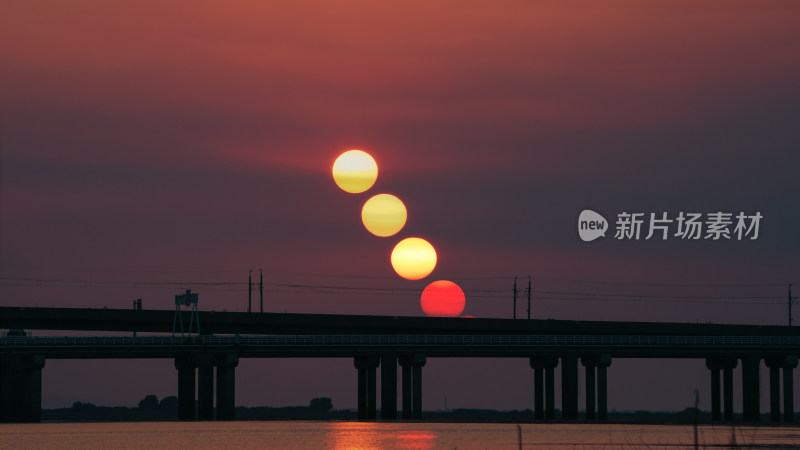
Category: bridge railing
<point>400,340</point>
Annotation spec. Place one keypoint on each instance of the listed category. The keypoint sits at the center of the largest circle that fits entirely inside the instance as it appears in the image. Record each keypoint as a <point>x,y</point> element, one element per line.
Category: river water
<point>356,435</point>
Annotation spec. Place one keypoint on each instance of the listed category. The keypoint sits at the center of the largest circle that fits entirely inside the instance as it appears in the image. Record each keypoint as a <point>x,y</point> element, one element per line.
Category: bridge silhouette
<point>210,359</point>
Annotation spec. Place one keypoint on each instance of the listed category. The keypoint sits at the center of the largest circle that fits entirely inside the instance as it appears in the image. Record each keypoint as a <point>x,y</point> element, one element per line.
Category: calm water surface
<point>353,435</point>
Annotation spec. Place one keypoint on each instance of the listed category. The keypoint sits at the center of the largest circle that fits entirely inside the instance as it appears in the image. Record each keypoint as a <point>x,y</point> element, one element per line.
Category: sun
<point>355,171</point>
<point>442,299</point>
<point>384,215</point>
<point>413,258</point>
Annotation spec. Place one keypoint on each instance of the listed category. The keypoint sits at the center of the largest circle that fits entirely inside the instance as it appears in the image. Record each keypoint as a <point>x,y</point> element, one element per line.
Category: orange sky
<point>146,139</point>
<point>233,83</point>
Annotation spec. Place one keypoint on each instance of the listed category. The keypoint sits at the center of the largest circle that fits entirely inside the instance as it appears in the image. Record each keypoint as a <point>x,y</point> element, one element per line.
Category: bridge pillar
<point>716,411</point>
<point>226,385</point>
<point>419,363</point>
<point>590,392</point>
<point>550,392</point>
<point>412,385</point>
<point>751,409</point>
<point>366,366</point>
<point>727,388</point>
<point>407,382</point>
<point>543,375</point>
<point>388,386</point>
<point>187,373</point>
<point>205,387</point>
<point>569,387</point>
<point>538,393</point>
<point>372,387</point>
<point>775,364</point>
<point>726,365</point>
<point>596,386</point>
<point>603,363</point>
<point>21,388</point>
<point>788,393</point>
<point>362,392</point>
<point>715,365</point>
<point>590,364</point>
<point>774,392</point>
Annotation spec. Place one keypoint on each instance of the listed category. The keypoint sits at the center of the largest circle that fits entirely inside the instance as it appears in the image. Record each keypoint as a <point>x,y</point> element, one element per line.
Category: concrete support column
<point>205,387</point>
<point>538,393</point>
<point>21,388</point>
<point>715,365</point>
<point>226,385</point>
<point>602,391</point>
<point>372,390</point>
<point>775,364</point>
<point>417,394</point>
<point>187,374</point>
<point>569,387</point>
<point>543,386</point>
<point>596,384</point>
<point>388,386</point>
<point>727,391</point>
<point>362,394</point>
<point>716,411</point>
<point>725,364</point>
<point>788,393</point>
<point>366,366</point>
<point>774,393</point>
<point>407,413</point>
<point>550,392</point>
<point>751,409</point>
<point>591,366</point>
<point>412,385</point>
<point>34,389</point>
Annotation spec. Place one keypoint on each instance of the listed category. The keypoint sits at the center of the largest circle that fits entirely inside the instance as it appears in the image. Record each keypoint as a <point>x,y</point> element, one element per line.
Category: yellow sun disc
<point>355,171</point>
<point>384,215</point>
<point>413,258</point>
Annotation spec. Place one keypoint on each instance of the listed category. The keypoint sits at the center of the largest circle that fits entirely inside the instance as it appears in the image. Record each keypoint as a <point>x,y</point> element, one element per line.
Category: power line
<point>125,282</point>
<point>662,300</point>
<point>379,277</point>
<point>105,270</point>
<point>132,283</point>
<point>640,283</point>
<point>594,294</point>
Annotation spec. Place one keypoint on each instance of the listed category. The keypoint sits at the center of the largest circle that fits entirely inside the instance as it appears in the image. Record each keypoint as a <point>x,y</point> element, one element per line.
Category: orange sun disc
<point>413,258</point>
<point>442,299</point>
<point>355,171</point>
<point>384,215</point>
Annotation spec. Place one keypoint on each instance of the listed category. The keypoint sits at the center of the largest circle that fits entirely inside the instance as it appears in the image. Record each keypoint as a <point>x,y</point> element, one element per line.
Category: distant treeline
<point>689,415</point>
<point>321,408</point>
<point>151,409</point>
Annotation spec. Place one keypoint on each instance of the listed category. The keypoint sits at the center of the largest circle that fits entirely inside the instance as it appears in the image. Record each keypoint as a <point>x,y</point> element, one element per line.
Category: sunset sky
<point>149,146</point>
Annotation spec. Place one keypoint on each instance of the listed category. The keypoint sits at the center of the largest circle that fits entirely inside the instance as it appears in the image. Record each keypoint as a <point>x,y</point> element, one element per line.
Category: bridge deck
<point>216,322</point>
<point>631,346</point>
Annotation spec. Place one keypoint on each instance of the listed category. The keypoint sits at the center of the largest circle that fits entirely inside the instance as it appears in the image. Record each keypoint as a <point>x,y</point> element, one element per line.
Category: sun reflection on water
<point>357,436</point>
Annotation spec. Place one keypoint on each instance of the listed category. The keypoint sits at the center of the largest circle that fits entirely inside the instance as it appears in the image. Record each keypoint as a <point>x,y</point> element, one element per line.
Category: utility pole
<point>529,297</point>
<point>249,289</point>
<point>137,306</point>
<point>515,298</point>
<point>261,288</point>
<point>790,304</point>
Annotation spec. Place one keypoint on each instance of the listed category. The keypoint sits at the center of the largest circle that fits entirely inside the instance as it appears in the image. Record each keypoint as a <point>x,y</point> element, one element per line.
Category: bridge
<point>382,342</point>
